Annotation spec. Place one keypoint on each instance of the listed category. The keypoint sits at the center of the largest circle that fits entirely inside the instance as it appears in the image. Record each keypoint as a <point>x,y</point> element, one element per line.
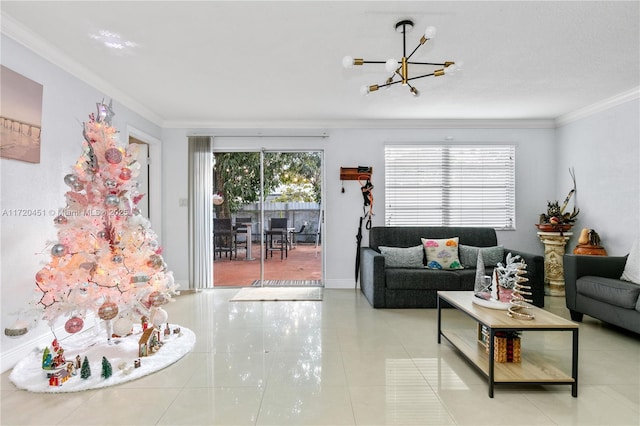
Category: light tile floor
<point>341,362</point>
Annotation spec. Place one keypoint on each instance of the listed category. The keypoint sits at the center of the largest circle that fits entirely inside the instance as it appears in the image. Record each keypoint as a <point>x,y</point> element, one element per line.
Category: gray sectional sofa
<point>593,287</point>
<point>416,287</point>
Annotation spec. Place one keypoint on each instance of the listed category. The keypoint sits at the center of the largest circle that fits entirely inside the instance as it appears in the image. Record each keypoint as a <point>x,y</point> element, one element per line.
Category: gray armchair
<point>593,287</point>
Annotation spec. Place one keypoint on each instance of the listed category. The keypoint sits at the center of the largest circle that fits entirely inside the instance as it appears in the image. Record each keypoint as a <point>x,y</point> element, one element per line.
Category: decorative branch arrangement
<point>520,293</point>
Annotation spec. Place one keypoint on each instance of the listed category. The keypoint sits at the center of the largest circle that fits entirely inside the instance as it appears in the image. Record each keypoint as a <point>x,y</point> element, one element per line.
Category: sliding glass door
<point>267,218</point>
<point>237,220</point>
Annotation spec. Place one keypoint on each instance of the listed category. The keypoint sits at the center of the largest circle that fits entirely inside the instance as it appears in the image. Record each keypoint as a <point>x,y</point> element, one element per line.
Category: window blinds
<point>450,185</point>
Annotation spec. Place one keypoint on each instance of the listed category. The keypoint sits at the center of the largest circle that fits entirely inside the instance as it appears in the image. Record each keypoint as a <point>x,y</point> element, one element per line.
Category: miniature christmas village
<point>58,370</point>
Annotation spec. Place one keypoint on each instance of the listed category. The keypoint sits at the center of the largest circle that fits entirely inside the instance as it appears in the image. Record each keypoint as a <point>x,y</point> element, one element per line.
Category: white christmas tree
<point>107,258</point>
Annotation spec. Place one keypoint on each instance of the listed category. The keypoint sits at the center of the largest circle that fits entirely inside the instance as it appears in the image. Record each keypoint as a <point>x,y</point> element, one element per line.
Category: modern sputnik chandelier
<point>400,70</point>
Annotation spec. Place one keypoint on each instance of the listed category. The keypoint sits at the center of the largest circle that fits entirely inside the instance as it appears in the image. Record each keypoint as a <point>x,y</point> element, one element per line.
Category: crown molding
<point>603,105</point>
<point>16,31</point>
<point>368,124</point>
<point>285,132</point>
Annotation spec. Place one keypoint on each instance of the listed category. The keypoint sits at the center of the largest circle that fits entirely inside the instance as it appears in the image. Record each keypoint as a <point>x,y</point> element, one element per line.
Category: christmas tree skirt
<point>122,354</point>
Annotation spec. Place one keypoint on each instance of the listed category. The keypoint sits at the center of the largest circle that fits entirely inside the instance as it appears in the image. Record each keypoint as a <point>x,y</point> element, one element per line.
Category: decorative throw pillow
<point>632,267</point>
<point>442,254</point>
<point>401,257</point>
<point>491,256</point>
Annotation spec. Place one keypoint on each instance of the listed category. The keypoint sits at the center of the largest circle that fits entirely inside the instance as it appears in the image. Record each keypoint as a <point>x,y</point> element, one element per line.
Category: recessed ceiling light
<point>114,41</point>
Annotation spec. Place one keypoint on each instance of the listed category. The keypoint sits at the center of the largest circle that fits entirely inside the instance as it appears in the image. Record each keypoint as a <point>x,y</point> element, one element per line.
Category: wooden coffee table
<point>533,368</point>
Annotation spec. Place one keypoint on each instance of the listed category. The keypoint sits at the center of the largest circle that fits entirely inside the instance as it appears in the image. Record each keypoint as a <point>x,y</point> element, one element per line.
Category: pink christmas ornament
<point>113,156</point>
<point>125,174</point>
<point>74,324</point>
<point>108,311</point>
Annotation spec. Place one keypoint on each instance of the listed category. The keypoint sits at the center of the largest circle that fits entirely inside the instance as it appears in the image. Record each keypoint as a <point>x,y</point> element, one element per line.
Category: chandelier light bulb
<point>430,32</point>
<point>453,68</point>
<point>414,92</point>
<point>364,90</point>
<point>348,62</point>
<point>391,65</point>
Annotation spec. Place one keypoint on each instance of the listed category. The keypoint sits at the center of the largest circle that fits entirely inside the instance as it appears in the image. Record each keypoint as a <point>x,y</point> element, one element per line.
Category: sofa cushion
<point>442,253</point>
<point>632,266</point>
<point>491,256</point>
<point>421,279</point>
<point>403,257</point>
<point>609,290</point>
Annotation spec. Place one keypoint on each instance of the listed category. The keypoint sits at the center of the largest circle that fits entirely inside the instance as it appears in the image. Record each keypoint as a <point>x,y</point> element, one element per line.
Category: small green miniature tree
<point>47,359</point>
<point>85,371</point>
<point>107,371</point>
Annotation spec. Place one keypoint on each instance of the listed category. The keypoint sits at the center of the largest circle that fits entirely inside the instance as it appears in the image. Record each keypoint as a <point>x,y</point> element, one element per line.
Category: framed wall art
<point>20,116</point>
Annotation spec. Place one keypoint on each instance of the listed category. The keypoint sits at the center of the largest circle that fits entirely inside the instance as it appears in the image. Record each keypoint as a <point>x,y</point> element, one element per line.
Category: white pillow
<point>632,267</point>
<point>442,253</point>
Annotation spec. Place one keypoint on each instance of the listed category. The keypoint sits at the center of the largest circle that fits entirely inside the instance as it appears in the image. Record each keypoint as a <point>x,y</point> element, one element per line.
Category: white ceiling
<point>240,63</point>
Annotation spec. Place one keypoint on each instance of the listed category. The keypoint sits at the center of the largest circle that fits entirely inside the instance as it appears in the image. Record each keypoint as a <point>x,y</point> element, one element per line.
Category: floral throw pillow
<point>442,253</point>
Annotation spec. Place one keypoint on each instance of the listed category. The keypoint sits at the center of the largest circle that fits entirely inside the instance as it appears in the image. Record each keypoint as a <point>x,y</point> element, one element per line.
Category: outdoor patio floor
<point>304,262</point>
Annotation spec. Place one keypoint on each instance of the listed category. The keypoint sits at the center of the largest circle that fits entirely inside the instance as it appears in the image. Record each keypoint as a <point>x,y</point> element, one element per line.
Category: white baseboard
<point>340,283</point>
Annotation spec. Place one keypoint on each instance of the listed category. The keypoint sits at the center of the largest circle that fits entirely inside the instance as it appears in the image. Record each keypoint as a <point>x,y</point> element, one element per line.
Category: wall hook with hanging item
<point>363,175</point>
<point>355,173</point>
<point>367,195</point>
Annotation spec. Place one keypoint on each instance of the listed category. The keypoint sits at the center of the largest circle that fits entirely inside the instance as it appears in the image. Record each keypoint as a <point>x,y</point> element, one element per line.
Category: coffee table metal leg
<point>439,318</point>
<point>574,364</point>
<point>491,360</point>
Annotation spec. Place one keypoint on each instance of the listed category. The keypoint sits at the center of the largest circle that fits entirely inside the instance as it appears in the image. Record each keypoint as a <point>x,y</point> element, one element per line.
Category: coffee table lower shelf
<point>533,369</point>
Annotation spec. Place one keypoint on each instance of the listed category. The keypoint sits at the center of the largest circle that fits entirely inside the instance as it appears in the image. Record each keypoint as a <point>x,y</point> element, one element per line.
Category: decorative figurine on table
<point>589,243</point>
<point>520,294</point>
<point>482,284</point>
<point>496,291</point>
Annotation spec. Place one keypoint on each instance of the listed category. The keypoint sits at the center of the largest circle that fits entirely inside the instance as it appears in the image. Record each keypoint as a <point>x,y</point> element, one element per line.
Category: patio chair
<point>277,233</point>
<point>294,233</point>
<point>223,238</point>
<point>240,228</point>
